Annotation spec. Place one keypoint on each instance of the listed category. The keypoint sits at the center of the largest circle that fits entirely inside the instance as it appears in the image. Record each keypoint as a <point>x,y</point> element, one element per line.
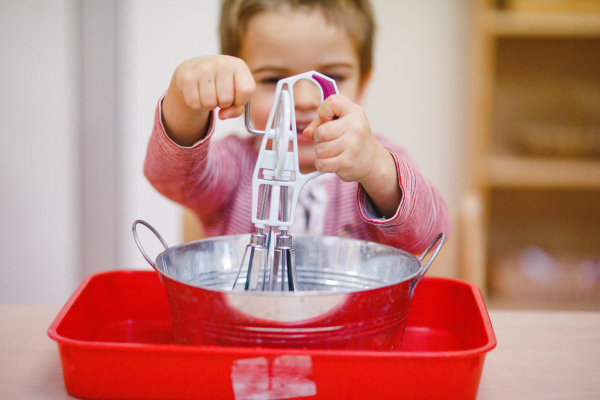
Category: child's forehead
<point>309,25</point>
<point>291,40</point>
<point>284,12</point>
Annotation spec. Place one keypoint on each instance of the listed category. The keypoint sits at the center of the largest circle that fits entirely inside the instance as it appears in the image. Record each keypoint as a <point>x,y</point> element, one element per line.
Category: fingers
<point>207,89</point>
<point>231,112</point>
<point>332,108</point>
<point>224,89</point>
<point>216,81</point>
<point>334,156</point>
<point>309,131</point>
<point>330,149</point>
<point>190,89</point>
<point>234,93</point>
<point>343,142</point>
<point>244,85</point>
<point>333,164</point>
<point>234,86</point>
<point>334,144</point>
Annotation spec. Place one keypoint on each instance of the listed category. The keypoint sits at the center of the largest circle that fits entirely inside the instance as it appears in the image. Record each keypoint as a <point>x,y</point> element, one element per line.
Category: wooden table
<point>540,355</point>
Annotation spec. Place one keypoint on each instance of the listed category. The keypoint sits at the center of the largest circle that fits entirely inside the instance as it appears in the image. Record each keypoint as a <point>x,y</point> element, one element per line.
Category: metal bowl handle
<point>139,244</point>
<point>439,239</point>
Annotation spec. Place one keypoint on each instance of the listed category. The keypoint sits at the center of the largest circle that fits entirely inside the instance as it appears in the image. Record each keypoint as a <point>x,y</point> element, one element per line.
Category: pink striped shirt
<point>213,178</point>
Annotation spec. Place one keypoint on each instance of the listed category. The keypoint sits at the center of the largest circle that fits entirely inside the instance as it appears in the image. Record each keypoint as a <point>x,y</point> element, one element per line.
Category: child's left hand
<point>344,144</point>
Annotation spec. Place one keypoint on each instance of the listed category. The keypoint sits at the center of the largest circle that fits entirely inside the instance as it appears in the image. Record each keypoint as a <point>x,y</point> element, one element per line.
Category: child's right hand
<point>200,85</point>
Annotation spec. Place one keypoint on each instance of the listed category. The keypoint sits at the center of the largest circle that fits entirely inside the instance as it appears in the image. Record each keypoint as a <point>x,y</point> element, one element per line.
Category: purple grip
<point>327,86</point>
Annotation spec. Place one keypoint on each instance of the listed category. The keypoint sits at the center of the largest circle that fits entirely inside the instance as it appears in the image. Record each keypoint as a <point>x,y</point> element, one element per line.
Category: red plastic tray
<point>114,339</point>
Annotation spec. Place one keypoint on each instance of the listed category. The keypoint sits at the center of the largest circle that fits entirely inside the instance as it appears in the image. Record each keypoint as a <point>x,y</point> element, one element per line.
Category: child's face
<point>281,43</point>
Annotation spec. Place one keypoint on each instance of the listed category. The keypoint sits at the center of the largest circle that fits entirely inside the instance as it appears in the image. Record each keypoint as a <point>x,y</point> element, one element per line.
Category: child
<point>376,192</point>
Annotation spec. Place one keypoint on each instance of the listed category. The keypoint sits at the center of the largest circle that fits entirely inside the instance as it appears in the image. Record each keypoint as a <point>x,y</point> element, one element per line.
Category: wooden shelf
<point>533,169</point>
<point>509,303</point>
<point>521,24</point>
<point>514,171</point>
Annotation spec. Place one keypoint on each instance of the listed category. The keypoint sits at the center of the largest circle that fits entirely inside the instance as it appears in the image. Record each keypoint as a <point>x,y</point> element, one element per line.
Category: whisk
<point>276,185</point>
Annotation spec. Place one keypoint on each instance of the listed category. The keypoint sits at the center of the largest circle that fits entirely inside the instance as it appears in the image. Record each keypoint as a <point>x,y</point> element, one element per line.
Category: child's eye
<point>336,77</point>
<point>270,81</point>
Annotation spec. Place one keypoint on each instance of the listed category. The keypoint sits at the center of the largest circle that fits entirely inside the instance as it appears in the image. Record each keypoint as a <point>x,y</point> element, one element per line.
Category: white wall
<point>38,160</point>
<point>417,98</point>
<point>154,38</point>
<point>419,94</point>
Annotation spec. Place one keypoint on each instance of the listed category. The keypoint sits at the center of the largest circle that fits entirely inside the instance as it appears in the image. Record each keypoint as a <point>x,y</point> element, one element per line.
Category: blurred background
<point>497,102</point>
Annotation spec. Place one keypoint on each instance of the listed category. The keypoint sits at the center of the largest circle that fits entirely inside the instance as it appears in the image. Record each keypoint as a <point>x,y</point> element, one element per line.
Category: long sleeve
<point>213,178</point>
<point>421,215</point>
<point>205,177</point>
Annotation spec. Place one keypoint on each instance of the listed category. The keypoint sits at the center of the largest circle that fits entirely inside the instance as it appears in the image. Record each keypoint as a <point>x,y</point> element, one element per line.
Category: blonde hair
<point>355,16</point>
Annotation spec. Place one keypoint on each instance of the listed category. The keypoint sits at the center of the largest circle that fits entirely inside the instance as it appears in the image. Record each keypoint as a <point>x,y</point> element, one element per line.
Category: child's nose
<point>306,95</point>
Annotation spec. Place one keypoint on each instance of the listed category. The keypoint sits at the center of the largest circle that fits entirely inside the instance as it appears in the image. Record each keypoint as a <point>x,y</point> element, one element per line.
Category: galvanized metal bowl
<point>353,294</point>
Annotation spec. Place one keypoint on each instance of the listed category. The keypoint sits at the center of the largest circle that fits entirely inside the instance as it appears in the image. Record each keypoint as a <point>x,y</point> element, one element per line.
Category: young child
<point>371,190</point>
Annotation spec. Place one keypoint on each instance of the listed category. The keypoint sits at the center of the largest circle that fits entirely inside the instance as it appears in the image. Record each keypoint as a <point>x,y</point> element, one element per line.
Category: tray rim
<point>52,332</point>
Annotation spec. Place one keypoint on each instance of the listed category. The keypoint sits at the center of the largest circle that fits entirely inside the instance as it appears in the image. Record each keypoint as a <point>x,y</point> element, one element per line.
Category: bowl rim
<point>406,279</point>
